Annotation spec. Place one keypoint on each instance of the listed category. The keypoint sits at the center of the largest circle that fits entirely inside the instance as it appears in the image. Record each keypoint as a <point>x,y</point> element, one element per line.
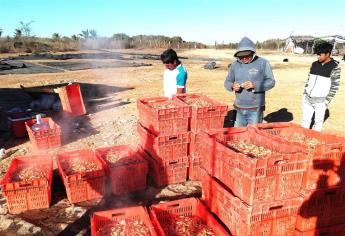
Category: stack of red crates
<point>163,133</point>
<point>252,195</point>
<point>323,186</point>
<point>207,114</point>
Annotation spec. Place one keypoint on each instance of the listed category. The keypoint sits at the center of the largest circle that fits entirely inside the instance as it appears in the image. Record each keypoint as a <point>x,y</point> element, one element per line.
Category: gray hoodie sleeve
<point>268,82</point>
<point>230,78</point>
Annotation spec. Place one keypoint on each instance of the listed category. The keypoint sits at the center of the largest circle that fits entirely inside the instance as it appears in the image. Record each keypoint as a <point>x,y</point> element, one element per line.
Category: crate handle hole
<point>172,162</point>
<point>24,185</point>
<point>211,109</point>
<point>174,205</point>
<point>338,149</point>
<point>276,207</point>
<point>330,193</point>
<point>173,138</point>
<point>277,162</point>
<point>117,214</point>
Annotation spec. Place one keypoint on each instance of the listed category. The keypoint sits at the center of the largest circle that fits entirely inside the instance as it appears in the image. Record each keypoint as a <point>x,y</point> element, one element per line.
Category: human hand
<point>236,86</point>
<point>248,85</point>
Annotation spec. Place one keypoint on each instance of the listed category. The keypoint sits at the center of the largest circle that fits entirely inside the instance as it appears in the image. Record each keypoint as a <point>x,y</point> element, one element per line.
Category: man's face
<point>322,57</point>
<point>170,66</point>
<point>246,59</point>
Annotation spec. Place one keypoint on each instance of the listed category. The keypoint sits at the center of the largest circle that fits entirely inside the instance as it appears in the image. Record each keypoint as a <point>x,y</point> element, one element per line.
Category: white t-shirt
<point>174,79</point>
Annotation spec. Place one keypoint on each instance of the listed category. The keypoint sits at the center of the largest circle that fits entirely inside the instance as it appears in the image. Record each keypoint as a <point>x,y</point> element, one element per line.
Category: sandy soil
<point>112,116</point>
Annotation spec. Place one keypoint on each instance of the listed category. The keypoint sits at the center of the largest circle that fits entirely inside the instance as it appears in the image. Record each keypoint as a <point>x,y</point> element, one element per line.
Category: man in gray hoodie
<point>249,77</point>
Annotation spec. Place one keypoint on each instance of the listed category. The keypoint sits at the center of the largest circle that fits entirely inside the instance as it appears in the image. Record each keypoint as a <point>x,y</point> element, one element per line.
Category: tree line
<point>23,41</point>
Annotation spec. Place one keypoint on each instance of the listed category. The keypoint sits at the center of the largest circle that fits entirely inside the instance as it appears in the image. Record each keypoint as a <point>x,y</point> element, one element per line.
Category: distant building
<point>305,44</point>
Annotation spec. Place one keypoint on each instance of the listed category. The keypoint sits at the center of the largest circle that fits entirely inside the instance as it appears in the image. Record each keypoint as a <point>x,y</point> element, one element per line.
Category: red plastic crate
<point>163,121</point>
<point>162,213</point>
<point>338,230</point>
<point>167,172</point>
<point>321,208</point>
<point>269,219</point>
<point>277,176</point>
<point>129,173</point>
<point>82,186</point>
<point>207,117</point>
<point>324,158</point>
<point>137,213</point>
<point>194,168</point>
<point>44,139</point>
<point>165,147</point>
<point>30,194</point>
<point>71,99</point>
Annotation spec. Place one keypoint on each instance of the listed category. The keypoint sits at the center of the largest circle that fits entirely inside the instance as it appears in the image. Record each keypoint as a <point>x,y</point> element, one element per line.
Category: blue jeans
<point>245,117</point>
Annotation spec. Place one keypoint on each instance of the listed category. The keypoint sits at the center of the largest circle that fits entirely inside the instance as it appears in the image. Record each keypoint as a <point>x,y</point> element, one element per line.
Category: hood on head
<point>245,45</point>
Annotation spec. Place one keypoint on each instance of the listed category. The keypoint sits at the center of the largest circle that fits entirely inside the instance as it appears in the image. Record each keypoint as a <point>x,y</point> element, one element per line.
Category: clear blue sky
<point>205,21</point>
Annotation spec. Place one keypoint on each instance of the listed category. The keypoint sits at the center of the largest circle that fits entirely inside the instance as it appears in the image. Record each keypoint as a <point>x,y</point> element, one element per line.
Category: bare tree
<point>25,28</point>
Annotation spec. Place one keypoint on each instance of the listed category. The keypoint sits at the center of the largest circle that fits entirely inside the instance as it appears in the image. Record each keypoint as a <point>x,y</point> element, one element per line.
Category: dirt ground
<point>112,114</point>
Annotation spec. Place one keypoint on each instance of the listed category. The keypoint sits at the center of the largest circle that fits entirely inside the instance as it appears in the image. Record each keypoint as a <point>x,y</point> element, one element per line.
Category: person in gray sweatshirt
<point>250,76</point>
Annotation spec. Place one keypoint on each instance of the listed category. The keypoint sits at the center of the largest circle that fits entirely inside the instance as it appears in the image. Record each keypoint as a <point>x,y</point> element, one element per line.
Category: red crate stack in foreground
<point>88,181</point>
<point>277,175</point>
<point>326,152</point>
<point>269,219</point>
<point>163,133</point>
<point>322,212</point>
<point>33,192</point>
<point>126,168</point>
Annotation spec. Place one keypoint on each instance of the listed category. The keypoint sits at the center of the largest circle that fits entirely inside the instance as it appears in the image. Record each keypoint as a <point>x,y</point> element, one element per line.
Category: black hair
<point>323,47</point>
<point>169,56</point>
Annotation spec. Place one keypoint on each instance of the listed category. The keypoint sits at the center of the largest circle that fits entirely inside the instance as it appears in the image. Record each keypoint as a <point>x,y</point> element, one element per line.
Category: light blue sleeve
<point>181,78</point>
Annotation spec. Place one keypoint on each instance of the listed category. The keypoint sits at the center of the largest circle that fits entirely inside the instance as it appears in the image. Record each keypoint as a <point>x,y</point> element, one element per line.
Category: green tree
<point>122,36</point>
<point>1,31</point>
<point>85,34</point>
<point>93,34</point>
<point>17,33</point>
<point>74,37</point>
<point>56,36</point>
